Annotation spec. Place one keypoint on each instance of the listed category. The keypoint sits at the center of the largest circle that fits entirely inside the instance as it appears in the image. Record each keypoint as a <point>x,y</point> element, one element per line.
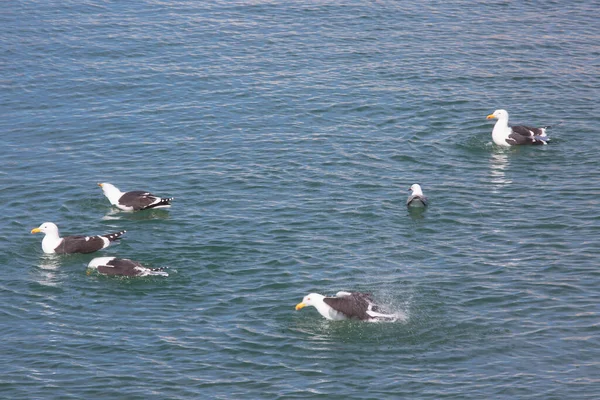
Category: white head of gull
<point>51,236</point>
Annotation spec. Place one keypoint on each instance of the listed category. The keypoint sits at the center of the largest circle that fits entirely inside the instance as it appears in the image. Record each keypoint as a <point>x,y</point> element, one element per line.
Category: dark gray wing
<point>369,300</point>
<point>527,131</point>
<point>353,306</point>
<point>517,139</point>
<point>416,200</point>
<point>120,266</point>
<point>522,134</point>
<point>138,199</point>
<point>85,244</point>
<point>366,296</point>
<point>80,244</point>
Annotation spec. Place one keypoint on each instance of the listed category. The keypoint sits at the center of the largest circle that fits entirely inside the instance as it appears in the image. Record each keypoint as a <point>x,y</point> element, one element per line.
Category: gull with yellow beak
<point>53,243</point>
<point>505,135</point>
<point>346,305</point>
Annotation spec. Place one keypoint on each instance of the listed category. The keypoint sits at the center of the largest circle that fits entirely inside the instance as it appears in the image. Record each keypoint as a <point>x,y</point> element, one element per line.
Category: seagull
<point>417,198</point>
<point>53,243</point>
<point>135,200</point>
<point>123,267</point>
<point>345,305</point>
<point>504,135</point>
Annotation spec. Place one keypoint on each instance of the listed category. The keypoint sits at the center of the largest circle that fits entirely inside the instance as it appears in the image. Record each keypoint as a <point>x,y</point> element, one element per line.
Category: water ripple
<point>289,135</point>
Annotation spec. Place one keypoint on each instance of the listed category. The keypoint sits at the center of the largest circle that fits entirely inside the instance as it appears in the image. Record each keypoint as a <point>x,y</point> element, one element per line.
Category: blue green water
<point>289,134</point>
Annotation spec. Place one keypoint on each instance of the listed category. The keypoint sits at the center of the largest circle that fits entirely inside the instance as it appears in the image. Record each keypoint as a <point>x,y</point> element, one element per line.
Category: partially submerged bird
<point>135,200</point>
<point>123,267</point>
<point>505,135</point>
<point>345,305</point>
<point>53,243</point>
<point>417,198</point>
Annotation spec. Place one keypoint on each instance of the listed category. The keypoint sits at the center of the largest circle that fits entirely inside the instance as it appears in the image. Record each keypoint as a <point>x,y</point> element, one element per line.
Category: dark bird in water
<point>123,267</point>
<point>346,305</point>
<point>505,135</point>
<point>417,198</point>
<point>135,200</point>
<point>53,243</point>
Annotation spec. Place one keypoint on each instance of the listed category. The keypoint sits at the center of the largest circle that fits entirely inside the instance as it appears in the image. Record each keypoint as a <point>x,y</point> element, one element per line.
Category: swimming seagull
<point>135,200</point>
<point>123,267</point>
<point>53,243</point>
<point>345,305</point>
<point>504,135</point>
<point>417,198</point>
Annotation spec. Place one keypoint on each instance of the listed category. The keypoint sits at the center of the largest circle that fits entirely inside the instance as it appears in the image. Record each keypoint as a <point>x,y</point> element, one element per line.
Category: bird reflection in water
<point>498,166</point>
<point>47,275</point>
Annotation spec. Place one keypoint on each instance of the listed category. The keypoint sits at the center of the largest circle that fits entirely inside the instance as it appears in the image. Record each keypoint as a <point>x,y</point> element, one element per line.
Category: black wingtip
<point>114,236</point>
<point>162,203</point>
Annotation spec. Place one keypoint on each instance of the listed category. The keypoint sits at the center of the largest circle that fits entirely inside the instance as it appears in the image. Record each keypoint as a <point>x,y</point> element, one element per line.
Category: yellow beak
<point>491,116</point>
<point>35,230</point>
<point>100,184</point>
<point>300,306</point>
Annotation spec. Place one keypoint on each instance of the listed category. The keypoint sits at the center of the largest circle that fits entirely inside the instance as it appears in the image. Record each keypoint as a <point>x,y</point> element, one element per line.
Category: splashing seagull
<point>123,267</point>
<point>505,135</point>
<point>53,243</point>
<point>135,200</point>
<point>346,305</point>
<point>417,198</point>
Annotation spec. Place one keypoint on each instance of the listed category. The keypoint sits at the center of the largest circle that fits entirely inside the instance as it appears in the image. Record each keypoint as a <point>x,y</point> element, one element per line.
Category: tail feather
<point>164,202</point>
<point>113,236</point>
<point>541,139</point>
<point>156,271</point>
<point>544,128</point>
<point>379,316</point>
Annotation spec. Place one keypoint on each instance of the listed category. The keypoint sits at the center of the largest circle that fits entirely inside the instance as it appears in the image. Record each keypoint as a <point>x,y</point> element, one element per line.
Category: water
<point>289,135</point>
